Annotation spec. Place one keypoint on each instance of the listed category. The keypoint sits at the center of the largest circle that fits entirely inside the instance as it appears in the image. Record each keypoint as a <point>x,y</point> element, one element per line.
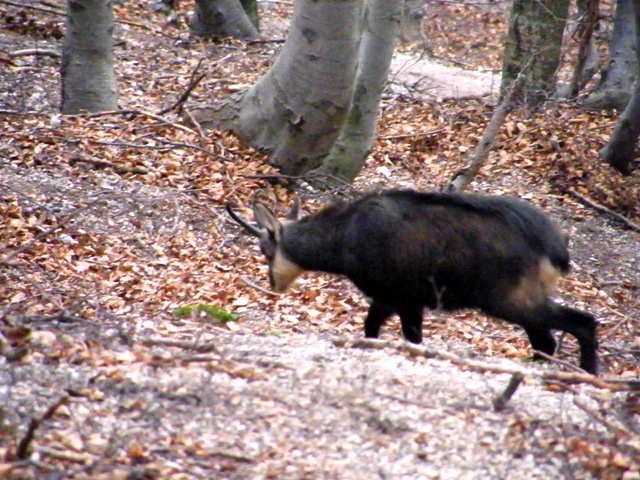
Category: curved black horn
<point>256,232</point>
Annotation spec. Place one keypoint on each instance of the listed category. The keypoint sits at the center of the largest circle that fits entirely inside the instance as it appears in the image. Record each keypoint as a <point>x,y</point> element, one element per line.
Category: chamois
<point>408,250</point>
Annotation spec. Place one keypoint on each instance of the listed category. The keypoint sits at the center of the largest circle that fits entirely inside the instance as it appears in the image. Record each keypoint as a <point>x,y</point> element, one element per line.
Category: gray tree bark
<point>222,18</point>
<point>251,9</point>
<point>620,150</point>
<point>587,61</point>
<point>88,78</point>
<point>411,31</point>
<point>621,69</point>
<point>294,113</point>
<point>533,44</point>
<point>380,30</point>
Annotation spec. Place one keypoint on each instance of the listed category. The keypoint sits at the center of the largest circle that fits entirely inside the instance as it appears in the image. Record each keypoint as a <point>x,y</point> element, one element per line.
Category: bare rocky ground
<point>147,395</point>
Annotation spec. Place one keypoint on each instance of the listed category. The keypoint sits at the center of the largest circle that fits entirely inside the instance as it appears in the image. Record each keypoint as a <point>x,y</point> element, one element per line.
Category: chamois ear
<point>267,220</point>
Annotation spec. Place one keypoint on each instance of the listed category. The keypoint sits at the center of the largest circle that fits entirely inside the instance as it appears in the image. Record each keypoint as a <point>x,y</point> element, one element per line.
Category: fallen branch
<point>24,445</point>
<point>168,342</point>
<point>106,164</point>
<point>183,98</point>
<point>553,359</point>
<point>193,83</point>
<point>616,385</point>
<point>248,282</point>
<point>412,135</point>
<point>602,209</point>
<point>66,455</point>
<point>261,41</point>
<point>35,52</point>
<point>501,400</point>
<point>600,419</point>
<point>33,7</point>
<point>479,157</point>
<point>138,112</point>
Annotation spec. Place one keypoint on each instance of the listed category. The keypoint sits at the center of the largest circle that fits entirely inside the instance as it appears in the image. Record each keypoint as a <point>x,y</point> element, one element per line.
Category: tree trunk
<point>533,44</point>
<point>620,150</point>
<point>88,79</point>
<point>295,111</point>
<point>587,51</point>
<point>222,18</point>
<point>380,30</point>
<point>251,9</point>
<point>411,31</point>
<point>621,69</point>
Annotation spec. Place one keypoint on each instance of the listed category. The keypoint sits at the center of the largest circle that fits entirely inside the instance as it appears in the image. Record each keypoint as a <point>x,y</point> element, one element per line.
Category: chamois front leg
<point>411,320</point>
<point>378,313</point>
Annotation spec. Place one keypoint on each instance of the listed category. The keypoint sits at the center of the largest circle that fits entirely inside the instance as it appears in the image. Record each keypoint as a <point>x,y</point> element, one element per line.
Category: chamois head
<point>270,231</point>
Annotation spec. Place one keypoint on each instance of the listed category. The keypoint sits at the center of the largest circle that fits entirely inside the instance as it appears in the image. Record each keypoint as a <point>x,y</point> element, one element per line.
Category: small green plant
<point>217,314</point>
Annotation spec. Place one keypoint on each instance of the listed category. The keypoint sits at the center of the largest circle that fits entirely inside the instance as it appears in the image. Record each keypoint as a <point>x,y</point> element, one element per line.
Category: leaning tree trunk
<point>222,18</point>
<point>379,33</point>
<point>620,150</point>
<point>88,79</point>
<point>295,111</point>
<point>587,60</point>
<point>251,9</point>
<point>533,44</point>
<point>621,69</point>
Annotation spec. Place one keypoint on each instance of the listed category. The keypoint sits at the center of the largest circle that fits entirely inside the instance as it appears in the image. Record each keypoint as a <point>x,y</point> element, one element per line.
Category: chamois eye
<point>267,250</point>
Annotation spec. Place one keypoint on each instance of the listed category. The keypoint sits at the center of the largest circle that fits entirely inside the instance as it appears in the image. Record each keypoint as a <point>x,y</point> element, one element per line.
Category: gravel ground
<point>296,406</point>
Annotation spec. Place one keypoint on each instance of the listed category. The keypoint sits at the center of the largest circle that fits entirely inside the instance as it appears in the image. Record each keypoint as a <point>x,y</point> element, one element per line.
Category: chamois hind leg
<point>411,320</point>
<point>542,340</point>
<point>540,320</point>
<point>378,313</point>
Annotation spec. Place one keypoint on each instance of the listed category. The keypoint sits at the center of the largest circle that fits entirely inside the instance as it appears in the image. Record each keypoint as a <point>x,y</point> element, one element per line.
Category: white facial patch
<point>283,272</point>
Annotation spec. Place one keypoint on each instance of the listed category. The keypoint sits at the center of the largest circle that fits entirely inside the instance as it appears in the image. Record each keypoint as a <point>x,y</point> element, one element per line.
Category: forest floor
<point>112,224</point>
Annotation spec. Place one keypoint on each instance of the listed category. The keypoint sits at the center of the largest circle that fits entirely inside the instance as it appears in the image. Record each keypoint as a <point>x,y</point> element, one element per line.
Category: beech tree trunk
<point>411,31</point>
<point>251,9</point>
<point>621,69</point>
<point>222,18</point>
<point>88,78</point>
<point>294,113</point>
<point>620,150</point>
<point>587,61</point>
<point>533,44</point>
<point>380,30</point>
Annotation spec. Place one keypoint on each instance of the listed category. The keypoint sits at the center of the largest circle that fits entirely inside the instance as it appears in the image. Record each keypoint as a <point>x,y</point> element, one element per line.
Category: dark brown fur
<point>408,250</point>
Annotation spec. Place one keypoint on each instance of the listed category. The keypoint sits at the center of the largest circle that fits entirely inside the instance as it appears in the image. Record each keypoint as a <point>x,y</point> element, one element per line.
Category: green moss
<point>216,314</point>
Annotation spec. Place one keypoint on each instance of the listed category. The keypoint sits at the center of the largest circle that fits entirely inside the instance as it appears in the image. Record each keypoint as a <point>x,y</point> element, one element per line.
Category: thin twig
<point>465,176</point>
<point>35,52</point>
<point>418,350</point>
<point>553,359</point>
<point>24,445</point>
<point>106,164</point>
<point>248,282</point>
<point>501,400</point>
<point>193,83</point>
<point>259,41</point>
<point>34,7</point>
<point>66,455</point>
<point>599,418</point>
<point>139,112</point>
<point>603,209</point>
<point>412,135</point>
<point>170,342</point>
